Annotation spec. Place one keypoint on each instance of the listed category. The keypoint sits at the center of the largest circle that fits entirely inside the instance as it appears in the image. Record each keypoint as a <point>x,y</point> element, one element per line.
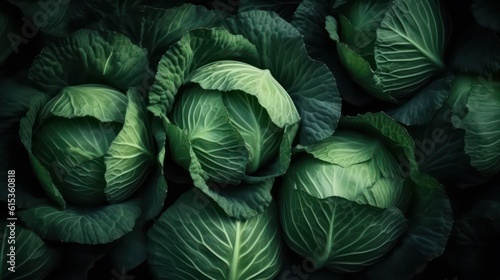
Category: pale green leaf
<point>217,144</point>
<point>193,50</point>
<point>410,45</point>
<point>242,201</point>
<point>130,156</point>
<point>261,136</point>
<point>204,243</point>
<point>336,233</point>
<point>98,101</point>
<point>226,75</point>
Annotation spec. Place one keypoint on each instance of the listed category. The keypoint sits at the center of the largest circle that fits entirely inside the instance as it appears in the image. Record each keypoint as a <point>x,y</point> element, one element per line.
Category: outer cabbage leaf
<point>439,151</point>
<point>429,213</point>
<point>84,225</point>
<point>309,19</point>
<point>26,134</point>
<point>90,57</point>
<point>205,243</point>
<point>158,29</point>
<point>482,126</point>
<point>309,83</point>
<point>34,259</point>
<point>195,49</point>
<point>430,223</point>
<point>424,105</point>
<point>475,103</point>
<point>52,17</point>
<point>284,8</point>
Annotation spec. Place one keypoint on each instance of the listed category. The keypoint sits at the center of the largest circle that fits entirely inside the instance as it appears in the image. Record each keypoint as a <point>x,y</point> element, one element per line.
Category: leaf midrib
<point>233,265</point>
<point>432,58</point>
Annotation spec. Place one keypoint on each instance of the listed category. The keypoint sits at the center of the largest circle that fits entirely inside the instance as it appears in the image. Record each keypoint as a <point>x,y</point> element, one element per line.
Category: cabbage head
<point>90,140</point>
<point>356,200</point>
<point>233,105</point>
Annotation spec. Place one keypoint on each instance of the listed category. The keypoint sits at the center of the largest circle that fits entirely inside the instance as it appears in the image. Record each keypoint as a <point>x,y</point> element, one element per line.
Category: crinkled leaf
<point>284,8</point>
<point>482,127</point>
<point>90,57</point>
<point>158,29</point>
<point>98,225</point>
<point>197,231</point>
<point>195,49</point>
<point>52,17</point>
<point>309,83</point>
